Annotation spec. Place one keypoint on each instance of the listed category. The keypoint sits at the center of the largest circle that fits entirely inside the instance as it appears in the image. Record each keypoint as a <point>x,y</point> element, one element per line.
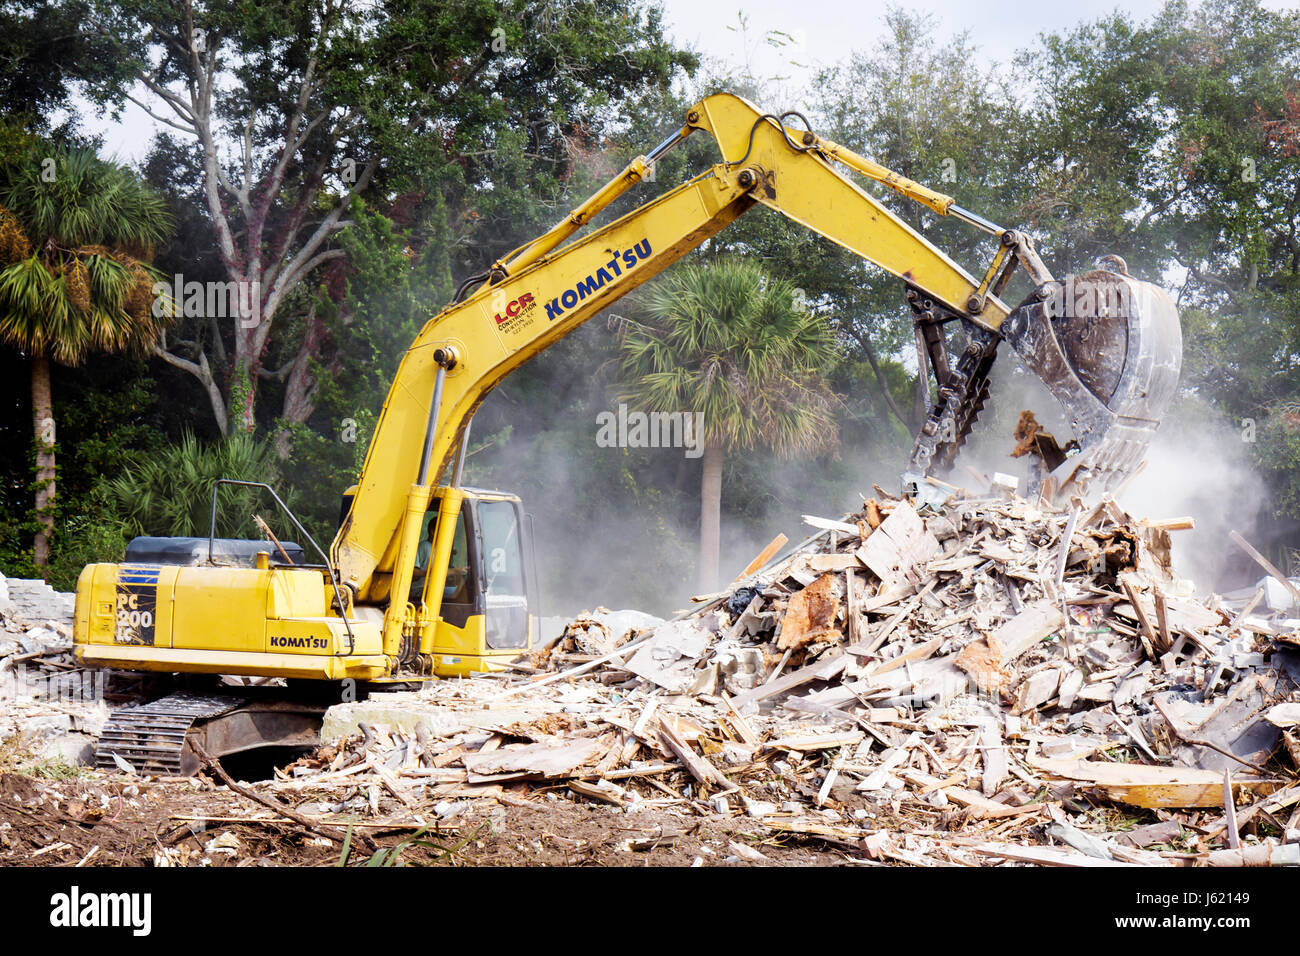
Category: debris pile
<point>52,707</point>
<point>993,681</point>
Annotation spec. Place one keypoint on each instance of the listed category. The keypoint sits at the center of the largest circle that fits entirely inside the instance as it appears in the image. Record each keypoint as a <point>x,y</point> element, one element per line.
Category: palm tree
<point>738,346</point>
<point>76,236</point>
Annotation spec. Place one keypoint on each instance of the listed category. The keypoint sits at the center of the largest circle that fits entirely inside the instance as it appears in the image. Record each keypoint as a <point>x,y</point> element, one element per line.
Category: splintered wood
<point>910,686</point>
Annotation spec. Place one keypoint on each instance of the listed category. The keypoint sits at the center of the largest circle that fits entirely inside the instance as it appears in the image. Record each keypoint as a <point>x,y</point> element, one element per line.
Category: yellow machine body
<point>283,621</point>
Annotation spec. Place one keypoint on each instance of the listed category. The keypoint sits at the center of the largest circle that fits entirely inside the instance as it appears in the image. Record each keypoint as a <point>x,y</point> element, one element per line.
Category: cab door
<point>504,583</point>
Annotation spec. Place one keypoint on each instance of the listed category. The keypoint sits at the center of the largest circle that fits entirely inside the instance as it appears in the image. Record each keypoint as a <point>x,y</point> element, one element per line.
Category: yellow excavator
<point>427,578</point>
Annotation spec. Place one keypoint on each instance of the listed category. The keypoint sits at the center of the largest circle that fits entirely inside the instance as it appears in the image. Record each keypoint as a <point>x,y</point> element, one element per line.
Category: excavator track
<point>158,737</point>
<point>152,737</point>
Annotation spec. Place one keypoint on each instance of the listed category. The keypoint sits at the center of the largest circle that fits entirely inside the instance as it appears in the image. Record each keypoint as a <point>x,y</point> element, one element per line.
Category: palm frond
<point>732,342</point>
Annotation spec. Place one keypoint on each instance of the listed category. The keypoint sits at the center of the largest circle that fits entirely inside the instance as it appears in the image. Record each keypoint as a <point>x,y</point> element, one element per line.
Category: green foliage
<point>726,340</point>
<point>394,855</point>
<point>170,492</point>
<point>85,285</point>
<point>94,535</point>
<point>45,49</point>
<point>1276,452</point>
<point>56,768</point>
<point>106,410</point>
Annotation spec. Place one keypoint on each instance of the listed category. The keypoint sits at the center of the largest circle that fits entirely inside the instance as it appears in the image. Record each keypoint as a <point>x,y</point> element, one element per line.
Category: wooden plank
<point>1186,523</point>
<point>1264,563</point>
<point>649,770</point>
<point>600,790</point>
<point>764,556</point>
<point>829,782</point>
<point>918,653</point>
<point>823,669</point>
<point>967,798</point>
<point>1147,632</point>
<point>886,598</point>
<point>699,767</point>
<point>996,765</point>
<point>1145,786</point>
<point>1036,622</point>
<point>614,756</point>
<point>1278,800</point>
<point>390,782</point>
<point>1162,622</point>
<point>1230,811</point>
<point>851,609</point>
<point>834,562</point>
<point>896,757</point>
<point>547,759</point>
<point>432,775</point>
<point>898,546</point>
<point>816,741</point>
<point>1246,610</point>
<point>828,524</point>
<point>883,634</point>
<point>1043,855</point>
<point>746,732</point>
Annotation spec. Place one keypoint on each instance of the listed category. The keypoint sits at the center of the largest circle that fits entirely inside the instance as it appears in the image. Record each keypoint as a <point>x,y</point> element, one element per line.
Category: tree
<point>479,101</point>
<point>1191,169</point>
<point>935,111</point>
<point>76,234</point>
<point>43,52</point>
<point>727,342</point>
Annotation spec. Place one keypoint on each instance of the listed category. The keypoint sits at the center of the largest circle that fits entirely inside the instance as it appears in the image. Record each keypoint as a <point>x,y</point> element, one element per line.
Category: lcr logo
<point>516,308</point>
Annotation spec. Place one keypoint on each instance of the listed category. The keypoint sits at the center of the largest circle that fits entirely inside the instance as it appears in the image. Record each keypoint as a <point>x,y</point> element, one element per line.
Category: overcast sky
<point>830,29</point>
<point>825,31</point>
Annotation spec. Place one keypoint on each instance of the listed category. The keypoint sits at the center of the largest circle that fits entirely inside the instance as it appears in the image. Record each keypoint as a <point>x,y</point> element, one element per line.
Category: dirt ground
<point>121,821</point>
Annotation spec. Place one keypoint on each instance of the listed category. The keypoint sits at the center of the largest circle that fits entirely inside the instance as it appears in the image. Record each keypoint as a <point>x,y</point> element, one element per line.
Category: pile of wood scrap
<point>994,682</point>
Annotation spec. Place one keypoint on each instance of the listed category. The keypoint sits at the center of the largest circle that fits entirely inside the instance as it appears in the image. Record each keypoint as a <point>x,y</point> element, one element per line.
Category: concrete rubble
<point>992,681</point>
<point>52,709</point>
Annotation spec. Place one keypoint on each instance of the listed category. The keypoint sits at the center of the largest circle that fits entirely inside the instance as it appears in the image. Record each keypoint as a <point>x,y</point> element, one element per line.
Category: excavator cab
<point>476,579</point>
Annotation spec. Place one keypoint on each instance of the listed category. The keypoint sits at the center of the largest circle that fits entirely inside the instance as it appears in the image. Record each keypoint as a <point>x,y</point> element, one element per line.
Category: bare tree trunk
<point>43,425</point>
<point>203,372</point>
<point>710,516</point>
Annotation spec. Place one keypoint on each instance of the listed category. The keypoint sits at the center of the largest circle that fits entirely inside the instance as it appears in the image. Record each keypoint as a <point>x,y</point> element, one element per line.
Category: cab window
<point>501,561</point>
<point>502,556</point>
<point>458,588</point>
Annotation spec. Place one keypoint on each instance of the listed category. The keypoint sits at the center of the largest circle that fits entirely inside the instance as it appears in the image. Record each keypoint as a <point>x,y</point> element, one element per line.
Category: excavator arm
<point>540,293</point>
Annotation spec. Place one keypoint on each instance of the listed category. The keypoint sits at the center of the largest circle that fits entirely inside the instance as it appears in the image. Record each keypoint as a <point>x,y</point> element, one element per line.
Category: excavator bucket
<point>1109,349</point>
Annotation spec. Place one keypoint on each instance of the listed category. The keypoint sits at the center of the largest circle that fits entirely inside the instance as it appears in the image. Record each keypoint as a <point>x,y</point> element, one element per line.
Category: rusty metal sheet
<point>810,615</point>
